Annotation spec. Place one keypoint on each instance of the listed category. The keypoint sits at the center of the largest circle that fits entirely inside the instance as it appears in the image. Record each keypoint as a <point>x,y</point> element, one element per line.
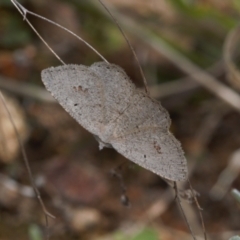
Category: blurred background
<point>188,50</point>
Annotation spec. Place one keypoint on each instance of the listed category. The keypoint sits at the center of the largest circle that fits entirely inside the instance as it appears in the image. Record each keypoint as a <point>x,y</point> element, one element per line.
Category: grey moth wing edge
<point>80,92</point>
<point>156,151</point>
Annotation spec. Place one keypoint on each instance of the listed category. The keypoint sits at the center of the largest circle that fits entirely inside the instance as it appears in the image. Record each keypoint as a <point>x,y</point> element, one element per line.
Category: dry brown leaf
<point>9,146</point>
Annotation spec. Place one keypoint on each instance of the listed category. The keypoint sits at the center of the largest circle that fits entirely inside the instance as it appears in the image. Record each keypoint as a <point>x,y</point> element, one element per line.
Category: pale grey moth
<point>103,99</point>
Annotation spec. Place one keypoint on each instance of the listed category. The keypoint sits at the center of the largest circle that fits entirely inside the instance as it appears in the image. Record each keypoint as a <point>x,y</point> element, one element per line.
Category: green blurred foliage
<point>145,234</point>
<point>35,232</point>
<point>103,32</point>
<point>204,25</point>
<point>8,3</point>
<point>235,238</point>
<point>208,26</point>
<point>14,32</point>
<point>236,4</point>
<point>203,11</point>
<point>149,234</point>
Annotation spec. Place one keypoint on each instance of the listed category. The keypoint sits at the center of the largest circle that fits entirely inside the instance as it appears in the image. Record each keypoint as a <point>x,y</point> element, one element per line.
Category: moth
<point>103,100</point>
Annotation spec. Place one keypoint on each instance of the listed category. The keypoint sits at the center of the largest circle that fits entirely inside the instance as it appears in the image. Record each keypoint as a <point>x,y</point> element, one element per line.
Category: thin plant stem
<point>199,210</point>
<point>130,46</point>
<point>24,12</point>
<point>181,208</point>
<point>25,158</point>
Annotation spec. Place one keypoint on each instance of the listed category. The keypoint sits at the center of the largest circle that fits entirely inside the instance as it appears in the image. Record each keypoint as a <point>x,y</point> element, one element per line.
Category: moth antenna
<point>130,46</point>
<point>26,162</point>
<point>24,13</point>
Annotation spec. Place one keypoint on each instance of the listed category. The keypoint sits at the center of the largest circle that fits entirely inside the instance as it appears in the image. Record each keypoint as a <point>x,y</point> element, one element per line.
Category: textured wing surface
<point>118,90</point>
<point>142,112</point>
<point>154,150</point>
<point>80,92</point>
<point>103,100</point>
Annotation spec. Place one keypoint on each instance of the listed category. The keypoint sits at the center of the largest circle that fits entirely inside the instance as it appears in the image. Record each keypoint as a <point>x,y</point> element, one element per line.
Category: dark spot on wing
<point>80,89</point>
<point>157,147</point>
